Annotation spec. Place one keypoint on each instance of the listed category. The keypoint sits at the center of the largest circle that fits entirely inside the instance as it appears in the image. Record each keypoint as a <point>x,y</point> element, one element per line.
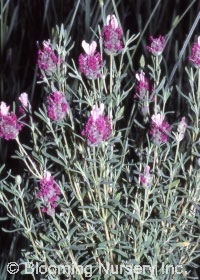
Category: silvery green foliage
<point>104,214</point>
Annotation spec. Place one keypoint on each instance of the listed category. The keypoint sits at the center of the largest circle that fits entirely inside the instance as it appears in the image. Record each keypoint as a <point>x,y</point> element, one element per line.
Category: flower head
<point>142,85</point>
<point>181,129</point>
<point>157,45</point>
<point>98,127</point>
<point>57,106</point>
<point>47,59</point>
<point>9,125</point>
<point>143,93</point>
<point>90,63</point>
<point>195,57</point>
<point>50,192</point>
<point>146,178</point>
<point>112,35</point>
<point>160,129</point>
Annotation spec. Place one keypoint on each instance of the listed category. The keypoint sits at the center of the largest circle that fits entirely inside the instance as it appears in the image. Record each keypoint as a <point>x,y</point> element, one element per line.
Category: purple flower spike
<point>47,60</point>
<point>195,57</point>
<point>98,127</point>
<point>90,63</point>
<point>142,87</point>
<point>112,36</point>
<point>57,106</point>
<point>160,129</point>
<point>9,125</point>
<point>157,45</point>
<point>50,192</point>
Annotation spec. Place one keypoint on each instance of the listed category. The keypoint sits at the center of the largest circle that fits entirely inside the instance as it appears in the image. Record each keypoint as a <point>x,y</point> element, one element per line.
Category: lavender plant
<point>103,195</point>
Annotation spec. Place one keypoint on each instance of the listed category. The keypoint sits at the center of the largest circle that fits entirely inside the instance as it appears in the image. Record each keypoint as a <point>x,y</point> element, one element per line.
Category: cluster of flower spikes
<point>98,127</point>
<point>57,106</point>
<point>146,178</point>
<point>9,125</point>
<point>50,192</point>
<point>112,35</point>
<point>160,129</point>
<point>90,63</point>
<point>157,45</point>
<point>195,57</point>
<point>47,59</point>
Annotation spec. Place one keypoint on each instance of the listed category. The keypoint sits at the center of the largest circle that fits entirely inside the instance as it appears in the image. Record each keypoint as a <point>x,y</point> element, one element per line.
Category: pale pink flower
<point>181,129</point>
<point>4,109</point>
<point>96,112</point>
<point>23,98</point>
<point>158,119</point>
<point>89,48</point>
<point>112,21</point>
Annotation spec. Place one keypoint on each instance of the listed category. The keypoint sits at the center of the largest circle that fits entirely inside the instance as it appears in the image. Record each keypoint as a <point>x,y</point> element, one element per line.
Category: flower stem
<point>111,84</point>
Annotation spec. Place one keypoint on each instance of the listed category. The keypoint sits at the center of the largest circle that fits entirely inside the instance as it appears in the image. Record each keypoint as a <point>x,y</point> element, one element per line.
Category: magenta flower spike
<point>98,127</point>
<point>9,125</point>
<point>157,45</point>
<point>112,36</point>
<point>160,129</point>
<point>146,178</point>
<point>90,63</point>
<point>47,59</point>
<point>50,192</point>
<point>142,86</point>
<point>57,106</point>
<point>195,57</point>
